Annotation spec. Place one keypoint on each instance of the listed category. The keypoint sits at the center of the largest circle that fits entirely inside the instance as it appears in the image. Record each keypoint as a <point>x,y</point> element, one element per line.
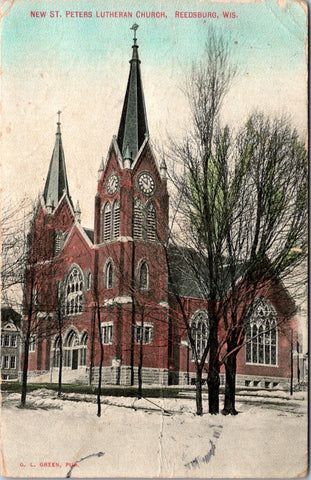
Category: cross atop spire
<point>135,27</point>
<point>56,183</point>
<point>133,124</point>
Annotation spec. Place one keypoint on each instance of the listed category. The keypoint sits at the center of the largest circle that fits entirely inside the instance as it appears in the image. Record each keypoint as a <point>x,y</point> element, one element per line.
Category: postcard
<point>154,239</point>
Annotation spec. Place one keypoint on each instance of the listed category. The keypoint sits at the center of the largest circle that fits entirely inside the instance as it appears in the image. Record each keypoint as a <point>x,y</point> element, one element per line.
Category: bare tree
<point>197,185</point>
<point>32,325</point>
<point>14,226</point>
<point>266,234</point>
<point>242,202</point>
<point>20,273</point>
<point>43,295</point>
<point>99,328</point>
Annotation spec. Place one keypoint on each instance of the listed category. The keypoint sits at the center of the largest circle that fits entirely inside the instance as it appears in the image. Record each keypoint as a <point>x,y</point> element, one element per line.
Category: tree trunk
<point>132,348</point>
<point>93,320</point>
<point>100,364</point>
<point>25,369</point>
<point>133,316</point>
<point>140,380</point>
<point>213,392</point>
<point>60,371</point>
<point>140,365</point>
<point>213,373</point>
<point>198,391</point>
<point>229,405</point>
<point>26,349</point>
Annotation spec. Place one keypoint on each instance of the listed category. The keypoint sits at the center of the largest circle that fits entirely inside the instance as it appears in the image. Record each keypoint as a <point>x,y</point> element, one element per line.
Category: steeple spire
<point>133,125</point>
<point>56,182</point>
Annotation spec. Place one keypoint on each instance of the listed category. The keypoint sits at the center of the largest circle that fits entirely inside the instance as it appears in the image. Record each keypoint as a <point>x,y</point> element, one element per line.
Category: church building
<point>106,291</point>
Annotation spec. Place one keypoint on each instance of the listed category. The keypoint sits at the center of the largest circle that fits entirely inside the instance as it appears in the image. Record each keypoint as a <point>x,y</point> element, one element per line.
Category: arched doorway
<point>71,350</point>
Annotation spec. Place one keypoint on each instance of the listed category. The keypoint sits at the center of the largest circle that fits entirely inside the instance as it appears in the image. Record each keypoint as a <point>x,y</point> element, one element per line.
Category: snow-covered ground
<point>135,438</point>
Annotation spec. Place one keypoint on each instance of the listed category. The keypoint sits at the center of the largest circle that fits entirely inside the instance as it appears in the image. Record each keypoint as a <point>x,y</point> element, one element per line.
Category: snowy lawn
<point>134,438</point>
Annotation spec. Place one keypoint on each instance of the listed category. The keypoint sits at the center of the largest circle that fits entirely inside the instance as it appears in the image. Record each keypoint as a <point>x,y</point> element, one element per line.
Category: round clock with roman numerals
<point>112,183</point>
<point>146,183</point>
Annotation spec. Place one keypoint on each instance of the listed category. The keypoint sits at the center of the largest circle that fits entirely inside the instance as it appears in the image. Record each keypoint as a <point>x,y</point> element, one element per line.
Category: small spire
<point>58,132</point>
<point>49,205</point>
<point>78,212</point>
<point>127,157</point>
<point>56,182</point>
<point>101,169</point>
<point>163,169</point>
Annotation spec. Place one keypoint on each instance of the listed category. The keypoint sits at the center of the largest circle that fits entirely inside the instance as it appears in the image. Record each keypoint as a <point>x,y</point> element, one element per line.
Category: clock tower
<point>131,220</point>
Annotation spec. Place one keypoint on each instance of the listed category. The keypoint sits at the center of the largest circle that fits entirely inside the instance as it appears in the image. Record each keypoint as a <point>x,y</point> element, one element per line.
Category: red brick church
<point>116,277</point>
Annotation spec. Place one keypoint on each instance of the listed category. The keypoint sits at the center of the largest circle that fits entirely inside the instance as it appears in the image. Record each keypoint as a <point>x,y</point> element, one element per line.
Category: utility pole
<point>291,362</point>
<point>188,354</point>
<point>298,366</point>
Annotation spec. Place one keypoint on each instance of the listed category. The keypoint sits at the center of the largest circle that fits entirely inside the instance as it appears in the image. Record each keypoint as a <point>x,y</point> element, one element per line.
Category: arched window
<point>199,333</point>
<point>107,230</point>
<point>151,222</point>
<point>116,219</point>
<point>89,280</point>
<point>143,276</point>
<point>138,219</point>
<point>74,292</point>
<point>108,275</point>
<point>261,334</point>
<point>144,221</point>
<point>83,349</point>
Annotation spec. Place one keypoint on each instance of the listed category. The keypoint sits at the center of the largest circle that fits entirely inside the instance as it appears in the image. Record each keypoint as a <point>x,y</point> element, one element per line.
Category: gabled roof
<point>189,274</point>
<point>9,314</point>
<point>182,279</point>
<point>56,183</point>
<point>89,233</point>
<point>133,125</point>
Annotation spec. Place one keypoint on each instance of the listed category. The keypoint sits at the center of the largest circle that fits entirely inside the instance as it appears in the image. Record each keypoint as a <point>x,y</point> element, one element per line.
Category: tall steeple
<point>56,182</point>
<point>133,125</point>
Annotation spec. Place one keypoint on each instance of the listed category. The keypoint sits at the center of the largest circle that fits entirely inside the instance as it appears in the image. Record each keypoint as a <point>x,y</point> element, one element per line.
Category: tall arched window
<point>74,292</point>
<point>138,219</point>
<point>199,333</point>
<point>116,219</point>
<point>151,222</point>
<point>143,276</point>
<point>89,280</point>
<point>107,230</point>
<point>108,275</point>
<point>83,349</point>
<point>261,334</point>
<point>144,221</point>
<point>71,350</point>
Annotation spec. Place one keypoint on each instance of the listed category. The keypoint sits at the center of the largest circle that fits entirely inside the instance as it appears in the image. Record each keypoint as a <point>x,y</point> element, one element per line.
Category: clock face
<point>146,183</point>
<point>112,184</point>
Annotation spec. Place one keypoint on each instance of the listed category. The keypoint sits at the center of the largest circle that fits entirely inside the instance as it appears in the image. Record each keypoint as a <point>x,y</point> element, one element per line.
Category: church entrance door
<point>75,359</point>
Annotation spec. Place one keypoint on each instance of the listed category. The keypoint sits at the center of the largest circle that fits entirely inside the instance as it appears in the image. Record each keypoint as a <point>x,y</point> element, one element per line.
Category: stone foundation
<point>279,383</point>
<point>122,376</point>
<point>256,381</point>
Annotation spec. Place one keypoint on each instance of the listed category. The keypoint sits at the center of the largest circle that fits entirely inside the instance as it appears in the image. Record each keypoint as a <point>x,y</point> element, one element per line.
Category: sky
<point>80,66</point>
